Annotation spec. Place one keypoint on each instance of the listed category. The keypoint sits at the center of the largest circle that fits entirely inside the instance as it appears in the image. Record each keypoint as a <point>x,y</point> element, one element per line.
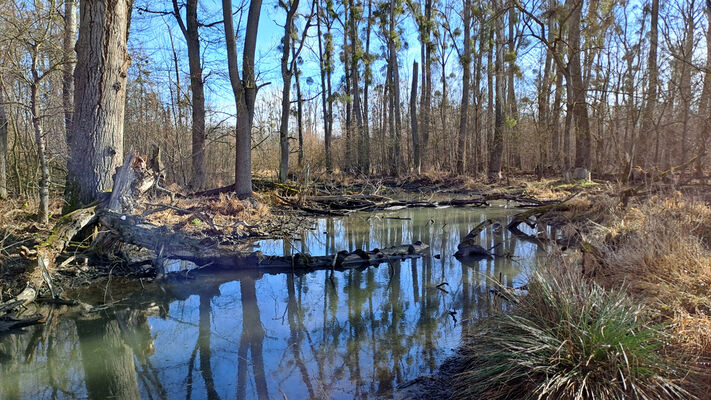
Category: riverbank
<point>643,268</point>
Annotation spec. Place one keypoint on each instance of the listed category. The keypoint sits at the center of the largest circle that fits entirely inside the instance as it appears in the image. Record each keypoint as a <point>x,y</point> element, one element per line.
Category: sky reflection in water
<point>255,335</point>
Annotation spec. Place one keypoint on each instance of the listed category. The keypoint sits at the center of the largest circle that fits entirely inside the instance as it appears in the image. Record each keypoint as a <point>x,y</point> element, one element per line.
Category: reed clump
<point>568,339</point>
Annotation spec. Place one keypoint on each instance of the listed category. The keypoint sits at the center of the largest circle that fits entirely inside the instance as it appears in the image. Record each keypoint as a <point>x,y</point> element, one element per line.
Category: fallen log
<point>47,251</point>
<point>536,212</point>
<point>469,247</point>
<point>134,230</point>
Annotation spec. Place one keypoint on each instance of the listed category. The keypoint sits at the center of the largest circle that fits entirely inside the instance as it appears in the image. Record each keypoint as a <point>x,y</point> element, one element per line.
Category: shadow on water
<point>358,333</point>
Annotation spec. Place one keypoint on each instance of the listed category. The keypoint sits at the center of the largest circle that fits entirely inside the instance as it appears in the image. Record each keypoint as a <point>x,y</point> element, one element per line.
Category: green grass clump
<point>567,339</point>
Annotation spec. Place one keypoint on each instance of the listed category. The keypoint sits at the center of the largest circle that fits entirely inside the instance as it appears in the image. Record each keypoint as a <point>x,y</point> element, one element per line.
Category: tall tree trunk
<point>413,119</point>
<point>348,156</point>
<point>355,88</point>
<point>3,147</point>
<point>43,211</point>
<point>576,87</point>
<point>366,86</point>
<point>466,78</point>
<point>497,149</point>
<point>490,112</point>
<point>96,143</point>
<point>70,39</point>
<point>514,147</point>
<point>192,37</point>
<point>703,136</point>
<point>685,83</point>
<point>325,67</point>
<point>647,127</point>
<point>244,90</point>
<point>554,120</point>
<point>395,87</point>
<point>299,115</point>
<point>286,74</point>
<point>426,107</point>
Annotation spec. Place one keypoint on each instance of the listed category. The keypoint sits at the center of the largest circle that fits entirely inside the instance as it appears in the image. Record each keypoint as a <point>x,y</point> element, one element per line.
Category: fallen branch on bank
<point>134,230</point>
<point>530,217</point>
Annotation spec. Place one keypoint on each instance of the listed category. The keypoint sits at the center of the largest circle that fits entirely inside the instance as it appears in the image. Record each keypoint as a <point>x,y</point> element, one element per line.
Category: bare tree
<point>244,90</point>
<point>189,28</point>
<point>465,59</point>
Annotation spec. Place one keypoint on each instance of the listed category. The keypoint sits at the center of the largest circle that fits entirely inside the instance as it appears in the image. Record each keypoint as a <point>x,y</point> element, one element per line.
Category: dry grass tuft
<point>660,252</point>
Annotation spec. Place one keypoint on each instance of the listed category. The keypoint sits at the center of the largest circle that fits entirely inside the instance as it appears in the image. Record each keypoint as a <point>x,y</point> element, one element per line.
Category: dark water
<point>285,336</point>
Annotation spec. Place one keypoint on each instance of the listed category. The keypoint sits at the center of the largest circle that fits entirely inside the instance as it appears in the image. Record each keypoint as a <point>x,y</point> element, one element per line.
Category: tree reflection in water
<point>357,333</point>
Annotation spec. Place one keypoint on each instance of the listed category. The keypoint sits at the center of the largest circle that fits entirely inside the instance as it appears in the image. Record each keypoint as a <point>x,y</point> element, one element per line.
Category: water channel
<point>357,334</point>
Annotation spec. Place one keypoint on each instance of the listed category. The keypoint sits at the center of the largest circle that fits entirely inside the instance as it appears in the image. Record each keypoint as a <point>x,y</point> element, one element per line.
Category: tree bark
<point>197,86</point>
<point>244,90</point>
<point>70,39</point>
<point>96,143</point>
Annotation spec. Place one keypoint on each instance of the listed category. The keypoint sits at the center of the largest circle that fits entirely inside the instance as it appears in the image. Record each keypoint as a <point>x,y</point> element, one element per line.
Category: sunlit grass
<point>568,339</point>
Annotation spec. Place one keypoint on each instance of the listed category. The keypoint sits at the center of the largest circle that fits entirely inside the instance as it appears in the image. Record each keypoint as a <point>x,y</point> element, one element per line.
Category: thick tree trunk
<point>96,142</point>
<point>244,90</point>
<point>413,120</point>
<point>466,78</point>
<point>192,37</point>
<point>70,39</point>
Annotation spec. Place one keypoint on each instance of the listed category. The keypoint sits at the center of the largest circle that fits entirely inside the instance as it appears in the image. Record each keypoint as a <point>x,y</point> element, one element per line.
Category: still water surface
<point>252,335</point>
